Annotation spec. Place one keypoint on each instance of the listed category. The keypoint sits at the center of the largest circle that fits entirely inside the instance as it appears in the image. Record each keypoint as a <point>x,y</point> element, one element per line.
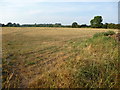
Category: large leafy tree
<point>96,22</point>
<point>75,25</point>
<point>9,24</point>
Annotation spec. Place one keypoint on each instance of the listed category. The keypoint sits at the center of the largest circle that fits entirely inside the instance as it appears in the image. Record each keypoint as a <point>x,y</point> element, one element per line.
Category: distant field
<point>50,57</point>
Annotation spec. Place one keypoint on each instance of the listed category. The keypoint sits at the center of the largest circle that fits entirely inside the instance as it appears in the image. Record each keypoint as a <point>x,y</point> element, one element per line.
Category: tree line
<point>96,22</point>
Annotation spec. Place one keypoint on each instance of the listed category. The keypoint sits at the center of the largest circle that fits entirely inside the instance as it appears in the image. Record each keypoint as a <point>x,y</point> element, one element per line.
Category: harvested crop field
<point>36,57</point>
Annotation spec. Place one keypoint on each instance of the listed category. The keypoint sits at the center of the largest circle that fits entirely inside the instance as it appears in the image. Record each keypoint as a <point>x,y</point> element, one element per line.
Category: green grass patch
<point>98,65</point>
<point>103,34</point>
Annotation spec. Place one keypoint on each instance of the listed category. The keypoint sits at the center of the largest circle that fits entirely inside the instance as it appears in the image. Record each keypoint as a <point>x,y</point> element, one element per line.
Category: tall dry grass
<point>58,58</point>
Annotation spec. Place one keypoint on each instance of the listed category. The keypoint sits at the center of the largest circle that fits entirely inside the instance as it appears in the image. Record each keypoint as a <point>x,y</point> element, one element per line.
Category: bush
<point>109,33</point>
<point>103,34</point>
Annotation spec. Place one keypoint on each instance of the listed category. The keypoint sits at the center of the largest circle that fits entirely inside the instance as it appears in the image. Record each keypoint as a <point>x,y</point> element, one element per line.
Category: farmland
<point>38,57</point>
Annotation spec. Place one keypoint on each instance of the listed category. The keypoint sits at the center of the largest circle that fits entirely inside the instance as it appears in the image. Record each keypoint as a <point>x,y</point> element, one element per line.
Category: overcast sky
<point>61,11</point>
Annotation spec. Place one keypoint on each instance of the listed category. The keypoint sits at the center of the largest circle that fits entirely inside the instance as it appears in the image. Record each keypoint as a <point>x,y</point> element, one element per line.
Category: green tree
<point>105,25</point>
<point>75,25</point>
<point>57,24</point>
<point>9,24</point>
<point>118,26</point>
<point>96,22</point>
<point>111,25</point>
<point>17,25</point>
<point>14,24</point>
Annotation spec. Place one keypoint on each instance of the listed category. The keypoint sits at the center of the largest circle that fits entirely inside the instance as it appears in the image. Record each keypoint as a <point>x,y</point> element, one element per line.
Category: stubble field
<point>58,57</point>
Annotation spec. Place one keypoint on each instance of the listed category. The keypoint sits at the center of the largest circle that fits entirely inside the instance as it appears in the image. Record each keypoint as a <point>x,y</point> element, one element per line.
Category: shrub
<point>109,33</point>
<point>103,34</point>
